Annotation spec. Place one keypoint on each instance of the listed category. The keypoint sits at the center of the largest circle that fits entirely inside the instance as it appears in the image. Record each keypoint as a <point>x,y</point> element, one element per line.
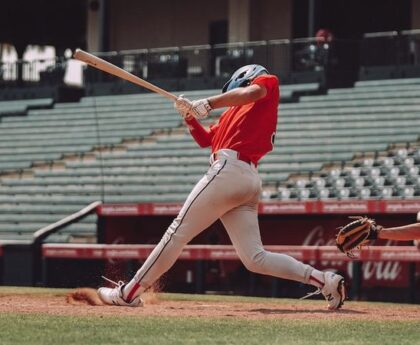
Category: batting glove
<point>199,109</point>
<point>183,105</point>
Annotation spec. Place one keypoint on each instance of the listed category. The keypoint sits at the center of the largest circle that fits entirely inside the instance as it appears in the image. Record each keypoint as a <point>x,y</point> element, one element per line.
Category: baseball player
<point>230,190</point>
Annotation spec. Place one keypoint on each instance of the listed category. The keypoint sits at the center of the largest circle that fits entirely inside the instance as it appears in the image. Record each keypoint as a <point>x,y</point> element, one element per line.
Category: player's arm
<point>200,134</point>
<point>236,97</point>
<point>401,233</point>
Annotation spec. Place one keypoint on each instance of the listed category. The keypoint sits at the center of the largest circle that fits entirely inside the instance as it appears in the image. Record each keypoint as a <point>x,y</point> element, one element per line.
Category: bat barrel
<point>108,67</point>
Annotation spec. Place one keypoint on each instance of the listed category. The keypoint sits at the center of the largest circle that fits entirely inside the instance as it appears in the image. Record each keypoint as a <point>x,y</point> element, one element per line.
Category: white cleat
<point>114,296</point>
<point>334,290</point>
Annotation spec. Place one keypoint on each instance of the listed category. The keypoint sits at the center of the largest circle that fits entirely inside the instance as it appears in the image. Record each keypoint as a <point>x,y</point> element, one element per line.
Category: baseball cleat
<point>114,296</point>
<point>334,290</point>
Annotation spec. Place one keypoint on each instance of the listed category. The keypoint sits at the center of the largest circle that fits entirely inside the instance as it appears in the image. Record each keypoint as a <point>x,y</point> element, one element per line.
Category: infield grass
<point>43,329</point>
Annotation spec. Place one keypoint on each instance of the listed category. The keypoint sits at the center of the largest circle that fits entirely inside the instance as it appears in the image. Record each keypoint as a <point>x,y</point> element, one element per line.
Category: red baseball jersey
<point>248,129</point>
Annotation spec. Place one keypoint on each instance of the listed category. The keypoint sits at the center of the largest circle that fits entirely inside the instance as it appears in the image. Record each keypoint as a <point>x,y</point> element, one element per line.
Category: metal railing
<point>46,71</point>
<point>281,57</point>
<point>40,235</point>
<point>391,48</point>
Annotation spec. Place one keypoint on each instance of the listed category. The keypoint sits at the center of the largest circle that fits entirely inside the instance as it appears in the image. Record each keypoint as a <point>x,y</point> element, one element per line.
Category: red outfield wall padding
<point>310,223</point>
<point>226,252</point>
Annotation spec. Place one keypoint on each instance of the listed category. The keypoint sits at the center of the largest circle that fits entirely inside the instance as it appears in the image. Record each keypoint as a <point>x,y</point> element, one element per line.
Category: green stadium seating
<point>19,107</point>
<point>368,94</point>
<point>317,130</point>
<point>382,83</point>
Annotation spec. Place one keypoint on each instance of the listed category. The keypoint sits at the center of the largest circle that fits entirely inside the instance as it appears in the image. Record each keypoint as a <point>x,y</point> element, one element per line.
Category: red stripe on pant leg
<point>180,222</point>
<point>132,292</point>
<point>316,280</point>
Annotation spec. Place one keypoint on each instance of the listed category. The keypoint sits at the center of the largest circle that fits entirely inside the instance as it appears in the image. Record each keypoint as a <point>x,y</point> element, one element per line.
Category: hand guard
<point>199,109</point>
<point>353,236</point>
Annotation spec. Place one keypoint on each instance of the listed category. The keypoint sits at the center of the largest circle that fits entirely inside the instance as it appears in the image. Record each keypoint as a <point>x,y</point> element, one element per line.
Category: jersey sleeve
<point>271,84</point>
<point>202,136</point>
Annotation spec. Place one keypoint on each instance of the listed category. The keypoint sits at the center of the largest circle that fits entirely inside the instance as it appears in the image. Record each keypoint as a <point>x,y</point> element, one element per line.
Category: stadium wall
<point>131,26</point>
<point>415,14</point>
<point>299,224</point>
<point>128,232</point>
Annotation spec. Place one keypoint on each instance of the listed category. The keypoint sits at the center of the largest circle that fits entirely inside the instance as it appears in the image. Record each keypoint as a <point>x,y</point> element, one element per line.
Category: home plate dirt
<point>84,302</point>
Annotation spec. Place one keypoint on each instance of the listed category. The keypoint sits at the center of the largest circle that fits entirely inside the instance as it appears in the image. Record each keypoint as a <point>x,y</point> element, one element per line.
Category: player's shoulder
<point>266,79</point>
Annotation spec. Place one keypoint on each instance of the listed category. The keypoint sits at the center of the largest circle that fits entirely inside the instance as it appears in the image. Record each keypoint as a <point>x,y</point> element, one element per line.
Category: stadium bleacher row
<point>134,148</point>
<point>20,107</point>
<point>393,176</point>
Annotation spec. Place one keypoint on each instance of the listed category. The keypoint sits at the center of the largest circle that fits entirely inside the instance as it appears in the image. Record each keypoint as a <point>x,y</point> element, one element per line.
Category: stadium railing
<point>281,56</point>
<point>22,259</point>
<point>291,59</point>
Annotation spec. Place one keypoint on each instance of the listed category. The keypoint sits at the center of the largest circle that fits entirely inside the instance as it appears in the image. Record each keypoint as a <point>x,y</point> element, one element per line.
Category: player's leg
<point>216,193</point>
<point>241,224</point>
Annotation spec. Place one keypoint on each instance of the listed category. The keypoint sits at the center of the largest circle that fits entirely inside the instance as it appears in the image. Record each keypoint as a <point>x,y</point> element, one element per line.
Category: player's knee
<point>176,235</point>
<point>255,263</point>
<point>173,240</point>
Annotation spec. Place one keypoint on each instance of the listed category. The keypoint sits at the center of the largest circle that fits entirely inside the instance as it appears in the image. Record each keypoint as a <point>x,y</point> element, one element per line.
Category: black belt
<point>240,157</point>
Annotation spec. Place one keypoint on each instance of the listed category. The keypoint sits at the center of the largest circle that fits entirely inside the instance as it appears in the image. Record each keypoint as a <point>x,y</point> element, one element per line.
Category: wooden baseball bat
<point>105,66</point>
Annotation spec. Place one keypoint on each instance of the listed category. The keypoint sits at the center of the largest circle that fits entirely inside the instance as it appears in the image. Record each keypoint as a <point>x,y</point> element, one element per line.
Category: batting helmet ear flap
<point>243,76</point>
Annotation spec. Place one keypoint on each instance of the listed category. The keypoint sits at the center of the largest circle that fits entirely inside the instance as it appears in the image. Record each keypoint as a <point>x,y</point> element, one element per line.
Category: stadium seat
<point>406,192</point>
<point>364,193</point>
<point>284,194</point>
<point>359,182</point>
<point>319,183</point>
<point>343,193</point>
<point>386,192</point>
<point>303,193</point>
<point>324,193</point>
<point>19,107</point>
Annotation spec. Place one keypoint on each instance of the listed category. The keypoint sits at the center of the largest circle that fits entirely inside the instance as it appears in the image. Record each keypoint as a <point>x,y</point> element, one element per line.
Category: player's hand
<point>183,105</point>
<point>199,109</point>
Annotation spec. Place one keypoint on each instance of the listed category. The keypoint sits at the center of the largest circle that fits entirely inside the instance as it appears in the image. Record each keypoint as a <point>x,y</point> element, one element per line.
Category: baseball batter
<point>230,189</point>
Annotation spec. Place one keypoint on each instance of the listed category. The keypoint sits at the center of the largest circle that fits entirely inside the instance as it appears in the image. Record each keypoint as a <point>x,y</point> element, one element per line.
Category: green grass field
<point>42,328</point>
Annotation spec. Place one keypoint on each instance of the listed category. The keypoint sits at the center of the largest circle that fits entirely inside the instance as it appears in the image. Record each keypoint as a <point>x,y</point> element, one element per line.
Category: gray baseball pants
<point>230,192</point>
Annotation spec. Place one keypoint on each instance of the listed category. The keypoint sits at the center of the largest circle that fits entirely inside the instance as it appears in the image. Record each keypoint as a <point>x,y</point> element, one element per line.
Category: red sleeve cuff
<point>198,132</point>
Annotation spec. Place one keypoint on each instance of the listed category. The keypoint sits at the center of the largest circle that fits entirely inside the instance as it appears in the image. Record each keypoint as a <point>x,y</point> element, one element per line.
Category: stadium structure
<point>93,168</point>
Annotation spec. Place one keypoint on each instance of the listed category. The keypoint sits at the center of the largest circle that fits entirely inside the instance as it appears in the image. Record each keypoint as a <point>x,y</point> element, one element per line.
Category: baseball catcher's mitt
<point>353,236</point>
